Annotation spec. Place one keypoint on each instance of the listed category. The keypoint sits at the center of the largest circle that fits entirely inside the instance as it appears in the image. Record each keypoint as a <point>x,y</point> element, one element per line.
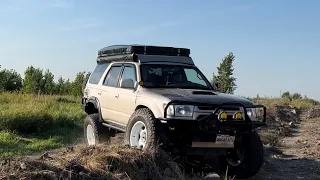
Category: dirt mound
<point>280,122</point>
<point>314,112</point>
<point>94,163</point>
<point>287,113</point>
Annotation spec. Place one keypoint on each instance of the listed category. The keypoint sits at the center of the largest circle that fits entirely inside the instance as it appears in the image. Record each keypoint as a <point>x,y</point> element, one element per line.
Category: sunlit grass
<point>30,124</point>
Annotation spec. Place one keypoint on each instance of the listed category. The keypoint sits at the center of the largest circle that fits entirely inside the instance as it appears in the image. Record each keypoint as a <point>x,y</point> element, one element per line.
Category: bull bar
<point>246,118</point>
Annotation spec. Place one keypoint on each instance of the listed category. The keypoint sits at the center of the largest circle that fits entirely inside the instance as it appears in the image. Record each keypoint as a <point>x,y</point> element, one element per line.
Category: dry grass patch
<point>114,163</point>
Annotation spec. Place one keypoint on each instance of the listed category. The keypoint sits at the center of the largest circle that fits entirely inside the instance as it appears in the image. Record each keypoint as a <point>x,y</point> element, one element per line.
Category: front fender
<point>156,109</point>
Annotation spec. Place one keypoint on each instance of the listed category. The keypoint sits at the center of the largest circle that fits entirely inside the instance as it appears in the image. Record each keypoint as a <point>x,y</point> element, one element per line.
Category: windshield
<point>173,76</point>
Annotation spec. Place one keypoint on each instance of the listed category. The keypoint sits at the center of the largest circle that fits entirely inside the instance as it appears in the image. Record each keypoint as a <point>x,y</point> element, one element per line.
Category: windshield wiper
<point>179,87</point>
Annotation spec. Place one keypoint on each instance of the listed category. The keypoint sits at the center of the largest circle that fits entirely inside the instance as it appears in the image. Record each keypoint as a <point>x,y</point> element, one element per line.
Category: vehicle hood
<point>200,96</point>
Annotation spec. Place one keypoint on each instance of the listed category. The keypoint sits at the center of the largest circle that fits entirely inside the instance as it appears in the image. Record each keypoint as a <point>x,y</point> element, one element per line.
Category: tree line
<point>37,81</point>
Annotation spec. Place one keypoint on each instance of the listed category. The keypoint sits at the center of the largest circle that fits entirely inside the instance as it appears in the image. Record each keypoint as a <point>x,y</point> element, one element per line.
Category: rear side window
<point>97,73</point>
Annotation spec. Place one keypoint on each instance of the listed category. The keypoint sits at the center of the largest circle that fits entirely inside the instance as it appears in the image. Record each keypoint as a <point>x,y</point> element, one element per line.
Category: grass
<point>301,104</point>
<point>30,124</point>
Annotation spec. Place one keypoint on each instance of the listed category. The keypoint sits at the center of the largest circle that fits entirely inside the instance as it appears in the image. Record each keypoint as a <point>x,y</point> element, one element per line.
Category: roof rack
<point>131,53</point>
<point>115,50</point>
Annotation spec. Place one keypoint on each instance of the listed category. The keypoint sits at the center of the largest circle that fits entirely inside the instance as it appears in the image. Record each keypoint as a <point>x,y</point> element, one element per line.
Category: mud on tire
<point>151,130</point>
<point>98,133</point>
<point>252,159</point>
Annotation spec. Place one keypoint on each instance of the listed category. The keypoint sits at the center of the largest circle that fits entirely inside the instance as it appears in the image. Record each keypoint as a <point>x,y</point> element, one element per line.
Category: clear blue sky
<point>276,43</point>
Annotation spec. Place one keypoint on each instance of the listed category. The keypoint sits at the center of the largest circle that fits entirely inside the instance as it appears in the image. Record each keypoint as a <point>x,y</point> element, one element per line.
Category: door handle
<point>99,93</point>
<point>116,96</point>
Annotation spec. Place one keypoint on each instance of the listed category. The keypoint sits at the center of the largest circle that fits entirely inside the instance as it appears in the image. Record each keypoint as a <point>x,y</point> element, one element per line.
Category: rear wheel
<point>94,132</point>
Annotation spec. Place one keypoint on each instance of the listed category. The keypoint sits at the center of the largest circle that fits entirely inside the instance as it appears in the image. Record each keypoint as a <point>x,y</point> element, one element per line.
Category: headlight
<point>180,110</point>
<point>251,112</point>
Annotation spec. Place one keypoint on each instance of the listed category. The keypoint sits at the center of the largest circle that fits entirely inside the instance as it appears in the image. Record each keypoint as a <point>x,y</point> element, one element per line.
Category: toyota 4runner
<point>157,97</point>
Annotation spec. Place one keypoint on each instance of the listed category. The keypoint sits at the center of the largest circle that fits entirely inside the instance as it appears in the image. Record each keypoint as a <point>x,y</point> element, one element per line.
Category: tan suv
<point>157,96</point>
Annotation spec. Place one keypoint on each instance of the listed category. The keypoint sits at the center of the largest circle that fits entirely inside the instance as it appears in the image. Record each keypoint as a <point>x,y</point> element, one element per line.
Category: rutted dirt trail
<point>298,156</point>
<point>306,142</point>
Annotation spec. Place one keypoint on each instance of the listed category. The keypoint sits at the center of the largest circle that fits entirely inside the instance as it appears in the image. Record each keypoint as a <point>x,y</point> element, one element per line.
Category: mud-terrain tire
<point>252,160</point>
<point>142,122</point>
<point>94,129</point>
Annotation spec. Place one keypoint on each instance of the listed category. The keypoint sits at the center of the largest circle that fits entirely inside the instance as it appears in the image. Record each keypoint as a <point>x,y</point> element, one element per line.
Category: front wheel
<point>142,130</point>
<point>246,161</point>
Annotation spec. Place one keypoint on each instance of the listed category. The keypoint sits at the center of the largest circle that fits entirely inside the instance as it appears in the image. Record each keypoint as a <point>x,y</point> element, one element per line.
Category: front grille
<point>212,108</point>
<point>229,117</point>
<point>206,108</point>
<point>200,116</point>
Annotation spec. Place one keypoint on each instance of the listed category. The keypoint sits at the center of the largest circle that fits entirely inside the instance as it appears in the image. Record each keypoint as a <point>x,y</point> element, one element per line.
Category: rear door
<point>91,87</point>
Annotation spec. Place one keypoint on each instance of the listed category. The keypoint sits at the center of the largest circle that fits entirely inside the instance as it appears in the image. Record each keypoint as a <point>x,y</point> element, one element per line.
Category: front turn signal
<point>141,83</point>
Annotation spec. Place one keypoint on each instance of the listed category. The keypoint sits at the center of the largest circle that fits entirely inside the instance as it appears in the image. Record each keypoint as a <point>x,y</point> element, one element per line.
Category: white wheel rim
<point>138,135</point>
<point>90,136</point>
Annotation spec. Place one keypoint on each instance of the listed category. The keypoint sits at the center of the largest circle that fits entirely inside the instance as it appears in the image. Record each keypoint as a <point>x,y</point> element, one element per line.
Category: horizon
<point>271,41</point>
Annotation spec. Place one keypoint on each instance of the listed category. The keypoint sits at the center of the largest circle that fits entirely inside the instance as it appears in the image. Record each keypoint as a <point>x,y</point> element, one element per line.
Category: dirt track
<point>298,156</point>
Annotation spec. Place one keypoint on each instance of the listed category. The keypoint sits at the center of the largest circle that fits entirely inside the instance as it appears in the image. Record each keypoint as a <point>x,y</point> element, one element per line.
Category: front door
<point>126,97</point>
<point>108,95</point>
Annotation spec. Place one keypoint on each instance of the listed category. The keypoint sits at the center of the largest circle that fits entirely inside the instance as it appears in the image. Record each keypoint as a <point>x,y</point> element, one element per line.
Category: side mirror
<point>127,83</point>
<point>216,86</point>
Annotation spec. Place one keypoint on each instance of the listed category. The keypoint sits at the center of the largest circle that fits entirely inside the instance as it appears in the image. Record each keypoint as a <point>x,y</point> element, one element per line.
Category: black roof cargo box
<point>116,50</point>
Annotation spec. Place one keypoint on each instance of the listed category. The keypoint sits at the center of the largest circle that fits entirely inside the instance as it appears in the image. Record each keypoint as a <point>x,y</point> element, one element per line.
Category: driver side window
<point>113,76</point>
<point>193,77</point>
<point>129,72</point>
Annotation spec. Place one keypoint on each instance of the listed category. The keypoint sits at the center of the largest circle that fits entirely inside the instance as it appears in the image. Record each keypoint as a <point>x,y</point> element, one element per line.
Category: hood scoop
<point>203,93</point>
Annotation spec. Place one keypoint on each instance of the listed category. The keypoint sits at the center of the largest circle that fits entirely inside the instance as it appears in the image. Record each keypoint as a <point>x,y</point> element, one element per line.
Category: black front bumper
<point>206,128</point>
<point>213,116</point>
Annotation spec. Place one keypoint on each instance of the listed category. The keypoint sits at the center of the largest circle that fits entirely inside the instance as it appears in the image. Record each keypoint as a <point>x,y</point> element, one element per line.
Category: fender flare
<point>95,101</point>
